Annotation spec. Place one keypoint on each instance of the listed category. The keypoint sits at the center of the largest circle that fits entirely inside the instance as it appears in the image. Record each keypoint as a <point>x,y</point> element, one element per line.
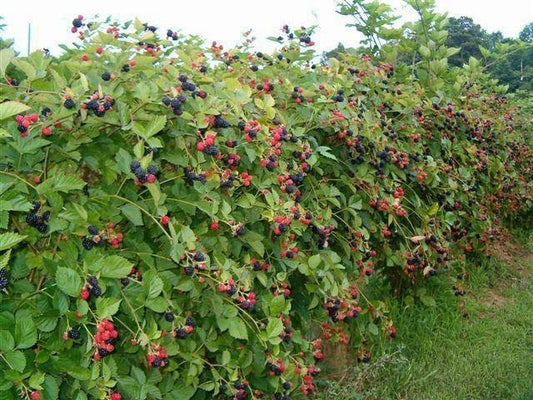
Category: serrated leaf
<point>7,342</point>
<point>25,332</point>
<point>237,329</point>
<point>133,214</point>
<point>68,281</point>
<point>10,239</point>
<point>274,327</point>
<point>6,56</point>
<point>50,388</point>
<point>155,125</point>
<point>114,267</point>
<point>314,261</point>
<point>61,183</point>
<point>10,108</point>
<point>16,360</point>
<point>107,307</point>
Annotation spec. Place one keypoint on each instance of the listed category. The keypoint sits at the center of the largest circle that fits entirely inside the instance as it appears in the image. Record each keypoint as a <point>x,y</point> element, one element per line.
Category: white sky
<point>224,21</point>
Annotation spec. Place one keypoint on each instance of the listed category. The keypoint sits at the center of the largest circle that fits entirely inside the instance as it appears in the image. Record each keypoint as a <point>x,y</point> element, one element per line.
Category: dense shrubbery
<point>185,222</point>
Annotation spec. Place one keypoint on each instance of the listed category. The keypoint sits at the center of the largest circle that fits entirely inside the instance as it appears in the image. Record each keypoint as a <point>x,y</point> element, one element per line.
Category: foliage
<point>221,211</point>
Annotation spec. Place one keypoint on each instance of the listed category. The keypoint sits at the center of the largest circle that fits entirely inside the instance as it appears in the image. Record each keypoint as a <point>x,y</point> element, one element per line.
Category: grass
<point>476,347</point>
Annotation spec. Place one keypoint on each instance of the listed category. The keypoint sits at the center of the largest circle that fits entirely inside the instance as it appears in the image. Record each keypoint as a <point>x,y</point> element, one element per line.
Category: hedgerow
<point>183,221</point>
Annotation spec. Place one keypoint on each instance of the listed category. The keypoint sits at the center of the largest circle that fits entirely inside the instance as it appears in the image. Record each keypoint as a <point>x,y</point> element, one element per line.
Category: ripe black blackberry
<point>69,103</point>
<point>241,230</point>
<point>32,219</point>
<point>42,228</point>
<point>73,334</point>
<point>152,169</point>
<point>77,23</point>
<point>93,230</point>
<point>96,291</point>
<point>46,112</point>
<point>93,280</point>
<point>87,243</point>
<point>199,256</point>
<point>181,333</point>
<point>106,76</point>
<point>189,321</point>
<point>169,316</point>
<point>4,281</point>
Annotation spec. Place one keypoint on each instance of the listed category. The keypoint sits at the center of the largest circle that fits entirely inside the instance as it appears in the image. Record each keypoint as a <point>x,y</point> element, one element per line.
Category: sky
<point>224,21</point>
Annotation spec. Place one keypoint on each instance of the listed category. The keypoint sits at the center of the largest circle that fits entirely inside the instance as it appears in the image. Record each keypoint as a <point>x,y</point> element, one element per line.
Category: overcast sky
<point>224,21</point>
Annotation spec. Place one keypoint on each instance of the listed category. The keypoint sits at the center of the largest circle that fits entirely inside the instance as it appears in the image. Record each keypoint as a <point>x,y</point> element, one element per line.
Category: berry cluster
<point>241,392</point>
<point>286,334</point>
<point>175,103</point>
<point>181,333</point>
<point>157,357</point>
<point>148,175</point>
<point>207,145</point>
<point>105,338</point>
<point>281,290</point>
<point>285,395</point>
<point>134,273</point>
<point>297,95</point>
<point>24,122</point>
<point>307,387</point>
<point>94,238</point>
<point>38,221</point>
<point>98,238</point>
<point>4,280</point>
<point>73,334</point>
<point>259,265</point>
<point>341,310</point>
<point>276,368</point>
<point>190,176</point>
<point>99,104</point>
<point>171,34</point>
<point>91,287</point>
<point>247,301</point>
<point>339,97</point>
<point>77,23</point>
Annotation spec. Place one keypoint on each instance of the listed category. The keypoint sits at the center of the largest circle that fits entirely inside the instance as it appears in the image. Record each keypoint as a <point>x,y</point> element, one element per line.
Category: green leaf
<point>237,329</point>
<point>25,332</point>
<point>107,307</point>
<point>10,239</point>
<point>428,301</point>
<point>373,329</point>
<point>155,125</point>
<point>158,304</point>
<point>274,327</point>
<point>155,286</point>
<point>10,108</point>
<point>16,360</point>
<point>314,261</point>
<point>50,388</point>
<point>133,214</point>
<point>68,281</point>
<point>61,183</point>
<point>188,236</point>
<point>115,267</point>
<point>324,151</point>
<point>6,56</point>
<point>6,341</point>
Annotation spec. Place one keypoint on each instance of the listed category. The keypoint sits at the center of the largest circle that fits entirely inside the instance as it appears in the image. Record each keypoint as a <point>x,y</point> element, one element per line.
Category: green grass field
<point>482,349</point>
